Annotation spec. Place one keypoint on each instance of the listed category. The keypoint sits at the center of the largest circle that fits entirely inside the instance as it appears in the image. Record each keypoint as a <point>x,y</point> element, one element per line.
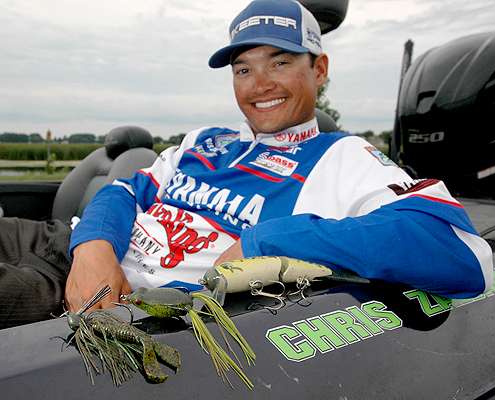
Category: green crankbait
<point>119,347</point>
<point>169,302</point>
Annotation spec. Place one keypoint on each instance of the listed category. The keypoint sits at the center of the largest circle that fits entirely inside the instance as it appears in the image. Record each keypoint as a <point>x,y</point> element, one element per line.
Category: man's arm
<point>101,239</point>
<point>399,246</point>
<point>234,252</point>
<point>384,226</point>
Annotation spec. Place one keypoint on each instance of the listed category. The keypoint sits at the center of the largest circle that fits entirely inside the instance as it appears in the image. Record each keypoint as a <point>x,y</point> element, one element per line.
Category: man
<point>278,186</point>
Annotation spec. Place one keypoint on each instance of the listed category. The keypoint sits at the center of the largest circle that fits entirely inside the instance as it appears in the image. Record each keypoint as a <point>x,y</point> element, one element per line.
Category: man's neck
<point>289,136</point>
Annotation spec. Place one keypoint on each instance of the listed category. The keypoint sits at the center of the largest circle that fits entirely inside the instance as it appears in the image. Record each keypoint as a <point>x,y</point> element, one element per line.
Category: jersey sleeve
<point>111,213</point>
<point>359,211</point>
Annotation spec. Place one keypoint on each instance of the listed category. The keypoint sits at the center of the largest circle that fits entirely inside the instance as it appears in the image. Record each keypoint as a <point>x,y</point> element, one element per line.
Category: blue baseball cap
<point>285,24</point>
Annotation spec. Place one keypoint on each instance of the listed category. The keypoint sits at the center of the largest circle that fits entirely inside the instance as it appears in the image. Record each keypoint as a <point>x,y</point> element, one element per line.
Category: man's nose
<point>263,82</point>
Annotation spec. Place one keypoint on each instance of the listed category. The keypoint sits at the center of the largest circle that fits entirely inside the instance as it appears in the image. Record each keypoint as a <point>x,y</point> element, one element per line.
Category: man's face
<point>275,89</point>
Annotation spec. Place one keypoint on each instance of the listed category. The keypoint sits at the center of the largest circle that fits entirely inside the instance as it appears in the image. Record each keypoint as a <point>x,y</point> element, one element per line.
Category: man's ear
<point>321,69</point>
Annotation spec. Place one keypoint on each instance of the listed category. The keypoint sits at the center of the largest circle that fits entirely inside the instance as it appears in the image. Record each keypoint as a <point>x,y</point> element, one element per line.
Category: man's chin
<point>269,127</point>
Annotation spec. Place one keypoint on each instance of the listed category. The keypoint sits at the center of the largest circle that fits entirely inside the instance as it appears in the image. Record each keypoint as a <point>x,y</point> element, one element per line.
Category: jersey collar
<point>288,137</point>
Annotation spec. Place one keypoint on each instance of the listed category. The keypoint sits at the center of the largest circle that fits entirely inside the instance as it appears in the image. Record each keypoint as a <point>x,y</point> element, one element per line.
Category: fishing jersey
<point>329,198</point>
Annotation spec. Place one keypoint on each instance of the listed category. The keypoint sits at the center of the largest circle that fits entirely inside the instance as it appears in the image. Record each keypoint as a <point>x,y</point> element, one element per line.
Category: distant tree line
<point>90,138</point>
<point>12,137</point>
<point>370,135</point>
<point>80,138</point>
<point>323,103</point>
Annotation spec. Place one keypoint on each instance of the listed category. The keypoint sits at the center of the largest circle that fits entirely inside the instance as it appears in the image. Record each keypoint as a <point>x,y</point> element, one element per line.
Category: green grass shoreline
<point>6,164</point>
<point>34,171</point>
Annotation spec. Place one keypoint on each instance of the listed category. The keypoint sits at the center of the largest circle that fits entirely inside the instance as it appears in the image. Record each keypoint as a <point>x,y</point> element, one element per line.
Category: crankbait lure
<point>119,347</point>
<point>256,272</point>
<point>169,302</point>
<point>253,273</point>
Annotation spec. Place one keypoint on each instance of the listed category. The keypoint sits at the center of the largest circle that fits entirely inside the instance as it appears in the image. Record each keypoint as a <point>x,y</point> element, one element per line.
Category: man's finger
<point>126,288</point>
<point>113,297</point>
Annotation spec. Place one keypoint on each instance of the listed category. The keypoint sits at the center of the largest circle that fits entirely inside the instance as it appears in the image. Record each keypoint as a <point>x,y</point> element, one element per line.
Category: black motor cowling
<point>329,13</point>
<point>447,115</point>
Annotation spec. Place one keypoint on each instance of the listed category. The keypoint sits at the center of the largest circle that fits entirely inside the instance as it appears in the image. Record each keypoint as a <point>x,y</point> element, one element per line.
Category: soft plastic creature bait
<point>169,302</point>
<point>119,346</point>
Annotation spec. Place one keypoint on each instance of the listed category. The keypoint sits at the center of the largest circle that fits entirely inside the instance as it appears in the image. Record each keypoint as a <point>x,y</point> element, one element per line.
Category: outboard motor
<point>329,13</point>
<point>446,114</point>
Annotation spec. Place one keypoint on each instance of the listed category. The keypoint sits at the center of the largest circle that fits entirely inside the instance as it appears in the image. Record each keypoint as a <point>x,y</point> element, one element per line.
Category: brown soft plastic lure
<point>118,346</point>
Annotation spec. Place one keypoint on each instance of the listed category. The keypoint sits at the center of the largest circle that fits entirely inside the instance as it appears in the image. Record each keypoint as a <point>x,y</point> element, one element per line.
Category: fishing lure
<point>256,272</point>
<point>170,302</point>
<point>119,347</point>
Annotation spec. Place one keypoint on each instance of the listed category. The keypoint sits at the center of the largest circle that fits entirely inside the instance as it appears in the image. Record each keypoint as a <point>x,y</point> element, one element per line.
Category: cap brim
<point>221,58</point>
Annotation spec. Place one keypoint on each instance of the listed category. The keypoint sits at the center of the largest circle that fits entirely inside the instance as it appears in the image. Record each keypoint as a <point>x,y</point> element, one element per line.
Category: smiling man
<point>275,186</point>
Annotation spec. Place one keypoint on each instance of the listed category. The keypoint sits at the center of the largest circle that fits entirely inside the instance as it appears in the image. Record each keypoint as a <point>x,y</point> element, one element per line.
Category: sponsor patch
<point>285,149</point>
<point>313,37</point>
<point>210,149</point>
<point>236,209</point>
<point>382,158</point>
<point>264,20</point>
<point>273,162</point>
<point>413,186</point>
<point>223,140</point>
<point>168,243</point>
<point>297,137</point>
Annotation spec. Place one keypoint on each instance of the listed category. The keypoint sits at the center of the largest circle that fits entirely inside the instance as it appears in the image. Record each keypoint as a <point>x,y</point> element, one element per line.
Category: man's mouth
<point>268,104</point>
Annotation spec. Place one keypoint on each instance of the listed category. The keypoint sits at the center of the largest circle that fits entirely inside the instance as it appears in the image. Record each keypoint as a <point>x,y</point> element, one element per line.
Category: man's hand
<point>234,252</point>
<point>95,265</point>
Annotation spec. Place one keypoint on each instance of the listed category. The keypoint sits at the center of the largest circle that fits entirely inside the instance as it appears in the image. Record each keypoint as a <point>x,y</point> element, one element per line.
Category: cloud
<point>366,51</point>
<point>101,63</point>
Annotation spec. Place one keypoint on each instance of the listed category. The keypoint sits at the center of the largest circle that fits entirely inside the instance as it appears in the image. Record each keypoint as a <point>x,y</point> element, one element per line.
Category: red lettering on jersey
<point>181,239</point>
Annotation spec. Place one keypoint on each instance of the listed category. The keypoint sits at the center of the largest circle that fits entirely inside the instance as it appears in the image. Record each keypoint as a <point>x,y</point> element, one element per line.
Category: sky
<point>89,66</point>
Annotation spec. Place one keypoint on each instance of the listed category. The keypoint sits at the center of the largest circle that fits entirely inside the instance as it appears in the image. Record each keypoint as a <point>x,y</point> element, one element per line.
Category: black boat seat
<point>325,122</point>
<point>127,149</point>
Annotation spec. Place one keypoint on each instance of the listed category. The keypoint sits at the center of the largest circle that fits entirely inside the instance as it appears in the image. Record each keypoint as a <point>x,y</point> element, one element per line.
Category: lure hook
<point>302,283</point>
<point>128,309</point>
<point>257,290</point>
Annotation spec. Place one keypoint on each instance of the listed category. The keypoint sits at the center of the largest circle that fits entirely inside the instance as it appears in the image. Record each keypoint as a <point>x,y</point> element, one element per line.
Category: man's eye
<point>281,63</point>
<point>242,71</point>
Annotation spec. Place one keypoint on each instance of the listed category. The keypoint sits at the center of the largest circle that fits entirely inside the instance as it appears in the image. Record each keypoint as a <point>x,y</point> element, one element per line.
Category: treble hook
<point>257,290</point>
<point>302,283</point>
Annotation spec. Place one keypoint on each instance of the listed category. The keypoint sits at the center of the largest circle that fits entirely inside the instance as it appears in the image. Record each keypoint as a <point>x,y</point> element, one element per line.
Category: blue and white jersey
<point>329,198</point>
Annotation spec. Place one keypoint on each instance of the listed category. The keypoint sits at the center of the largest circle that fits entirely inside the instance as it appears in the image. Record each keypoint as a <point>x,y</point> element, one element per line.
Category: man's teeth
<point>268,104</point>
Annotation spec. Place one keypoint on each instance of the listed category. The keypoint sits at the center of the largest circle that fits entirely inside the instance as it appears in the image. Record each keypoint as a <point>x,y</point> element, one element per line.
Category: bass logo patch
<point>273,162</point>
<point>382,158</point>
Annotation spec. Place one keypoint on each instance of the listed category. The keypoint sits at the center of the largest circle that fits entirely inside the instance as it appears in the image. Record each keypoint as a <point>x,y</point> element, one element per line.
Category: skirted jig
<point>107,342</point>
<point>169,302</point>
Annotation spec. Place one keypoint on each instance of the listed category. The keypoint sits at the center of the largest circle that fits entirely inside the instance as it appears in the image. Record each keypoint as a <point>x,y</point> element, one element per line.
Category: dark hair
<point>313,58</point>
